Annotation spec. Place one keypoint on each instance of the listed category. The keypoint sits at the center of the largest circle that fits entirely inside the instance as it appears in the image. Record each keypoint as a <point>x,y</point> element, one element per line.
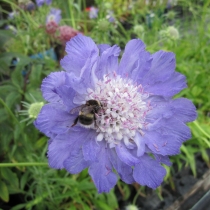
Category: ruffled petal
<point>163,144</point>
<point>171,127</point>
<point>163,159</point>
<point>103,47</point>
<point>58,152</point>
<point>168,88</point>
<point>49,85</point>
<point>163,66</point>
<point>181,108</point>
<point>87,78</point>
<point>140,142</point>
<point>149,172</point>
<point>61,146</point>
<point>135,61</point>
<point>79,50</point>
<point>75,163</point>
<point>125,155</point>
<point>52,119</point>
<point>67,95</point>
<point>125,172</point>
<point>91,148</point>
<point>101,171</point>
<point>184,110</point>
<point>108,61</point>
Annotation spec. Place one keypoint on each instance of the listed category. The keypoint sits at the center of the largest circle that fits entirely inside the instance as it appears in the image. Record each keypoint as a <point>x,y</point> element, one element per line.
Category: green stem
<point>22,164</point>
<point>71,14</point>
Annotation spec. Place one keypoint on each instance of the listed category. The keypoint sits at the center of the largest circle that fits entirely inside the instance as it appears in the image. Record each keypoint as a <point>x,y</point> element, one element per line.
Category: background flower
<point>66,33</point>
<point>137,124</point>
<point>41,2</point>
<point>93,12</point>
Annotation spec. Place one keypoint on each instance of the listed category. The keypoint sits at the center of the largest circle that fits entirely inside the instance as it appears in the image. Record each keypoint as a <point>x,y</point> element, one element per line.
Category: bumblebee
<point>87,113</point>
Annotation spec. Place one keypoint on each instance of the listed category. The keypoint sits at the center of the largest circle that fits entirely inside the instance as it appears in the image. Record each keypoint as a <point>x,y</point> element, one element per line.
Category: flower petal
<point>140,142</point>
<point>163,159</point>
<point>149,172</point>
<point>58,152</point>
<point>52,119</point>
<point>163,144</point>
<point>125,155</point>
<point>184,110</point>
<point>135,59</point>
<point>101,171</point>
<point>75,163</point>
<point>79,49</point>
<point>87,78</point>
<point>67,95</point>
<point>163,65</point>
<point>49,85</point>
<point>103,47</point>
<point>90,148</point>
<point>181,108</point>
<point>108,61</point>
<point>168,88</point>
<point>172,127</point>
<point>125,172</point>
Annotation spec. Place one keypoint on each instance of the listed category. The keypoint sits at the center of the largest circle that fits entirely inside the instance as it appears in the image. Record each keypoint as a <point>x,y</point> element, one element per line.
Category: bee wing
<point>87,109</point>
<point>76,109</point>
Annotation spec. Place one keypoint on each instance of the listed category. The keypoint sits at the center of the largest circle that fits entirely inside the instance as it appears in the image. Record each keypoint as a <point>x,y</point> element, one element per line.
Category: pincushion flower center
<point>123,109</point>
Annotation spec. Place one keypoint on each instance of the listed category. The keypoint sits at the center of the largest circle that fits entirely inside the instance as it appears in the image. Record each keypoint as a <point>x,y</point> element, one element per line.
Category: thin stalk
<point>71,13</point>
<point>22,164</point>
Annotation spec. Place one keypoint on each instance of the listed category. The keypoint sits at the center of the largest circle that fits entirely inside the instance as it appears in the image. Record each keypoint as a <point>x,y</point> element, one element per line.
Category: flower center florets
<point>123,109</point>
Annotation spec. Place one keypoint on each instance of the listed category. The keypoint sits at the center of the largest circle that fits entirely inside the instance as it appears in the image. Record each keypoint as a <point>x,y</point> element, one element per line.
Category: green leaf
<point>3,115</point>
<point>4,68</point>
<point>12,98</point>
<point>5,35</point>
<point>112,200</point>
<point>4,193</point>
<point>17,78</point>
<point>18,207</point>
<point>102,205</point>
<point>10,177</point>
<point>35,75</point>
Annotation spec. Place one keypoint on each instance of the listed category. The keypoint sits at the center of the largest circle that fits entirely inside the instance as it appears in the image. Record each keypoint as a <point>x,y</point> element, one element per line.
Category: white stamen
<point>123,109</point>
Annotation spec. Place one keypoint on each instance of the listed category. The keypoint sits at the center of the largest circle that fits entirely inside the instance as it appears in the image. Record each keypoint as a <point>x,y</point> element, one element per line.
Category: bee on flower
<point>116,119</point>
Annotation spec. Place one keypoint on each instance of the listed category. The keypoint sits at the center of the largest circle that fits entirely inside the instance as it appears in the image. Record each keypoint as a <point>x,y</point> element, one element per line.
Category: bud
<point>31,112</point>
<point>138,29</point>
<point>103,25</point>
<point>131,207</point>
<point>170,33</point>
<point>170,15</point>
<point>34,109</point>
<point>173,32</point>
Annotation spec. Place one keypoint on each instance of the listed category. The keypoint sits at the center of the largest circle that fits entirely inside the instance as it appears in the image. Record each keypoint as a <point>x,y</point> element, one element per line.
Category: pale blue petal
<point>149,172</point>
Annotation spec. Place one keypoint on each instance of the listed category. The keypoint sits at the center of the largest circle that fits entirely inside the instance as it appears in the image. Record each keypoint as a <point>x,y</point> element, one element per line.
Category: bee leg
<point>75,122</point>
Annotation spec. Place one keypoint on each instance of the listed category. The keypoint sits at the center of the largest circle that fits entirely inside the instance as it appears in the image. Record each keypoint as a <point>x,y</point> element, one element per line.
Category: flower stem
<point>22,164</point>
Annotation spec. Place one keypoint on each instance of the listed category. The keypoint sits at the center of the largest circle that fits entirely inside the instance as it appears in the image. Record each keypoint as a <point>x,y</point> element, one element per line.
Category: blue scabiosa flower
<point>93,12</point>
<point>114,119</point>
<point>54,15</point>
<point>53,20</point>
<point>41,2</point>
